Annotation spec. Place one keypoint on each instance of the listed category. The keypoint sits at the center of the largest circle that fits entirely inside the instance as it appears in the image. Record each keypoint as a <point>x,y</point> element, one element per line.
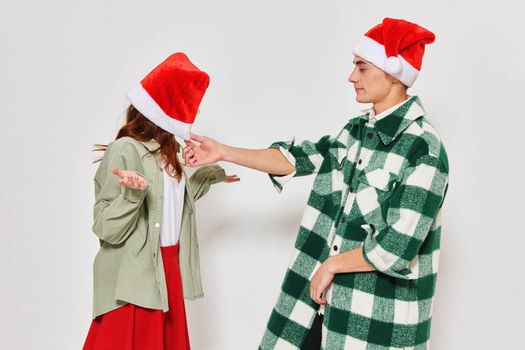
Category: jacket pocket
<point>380,179</point>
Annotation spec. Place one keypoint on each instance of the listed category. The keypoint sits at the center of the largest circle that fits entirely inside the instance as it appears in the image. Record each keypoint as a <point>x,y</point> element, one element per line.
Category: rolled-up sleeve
<point>204,177</point>
<point>306,157</point>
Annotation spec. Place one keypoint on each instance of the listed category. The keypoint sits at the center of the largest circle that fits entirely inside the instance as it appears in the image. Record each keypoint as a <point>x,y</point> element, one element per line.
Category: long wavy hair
<point>140,128</point>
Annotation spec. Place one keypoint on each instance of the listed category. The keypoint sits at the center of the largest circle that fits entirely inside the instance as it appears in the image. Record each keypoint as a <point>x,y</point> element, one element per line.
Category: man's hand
<point>349,261</point>
<point>130,179</point>
<point>320,282</point>
<point>205,151</point>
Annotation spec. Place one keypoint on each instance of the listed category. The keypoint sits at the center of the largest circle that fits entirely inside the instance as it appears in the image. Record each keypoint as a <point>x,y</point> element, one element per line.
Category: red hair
<point>140,128</point>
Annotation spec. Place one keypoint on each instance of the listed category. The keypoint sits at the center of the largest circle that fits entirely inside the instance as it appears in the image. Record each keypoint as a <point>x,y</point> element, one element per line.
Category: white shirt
<point>172,210</point>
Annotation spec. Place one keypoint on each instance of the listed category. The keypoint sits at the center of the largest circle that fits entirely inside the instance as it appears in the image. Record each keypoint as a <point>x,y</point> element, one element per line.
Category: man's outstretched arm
<point>208,151</point>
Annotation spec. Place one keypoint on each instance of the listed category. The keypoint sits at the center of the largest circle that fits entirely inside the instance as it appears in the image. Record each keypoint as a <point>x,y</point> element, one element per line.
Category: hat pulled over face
<point>397,47</point>
<point>170,95</point>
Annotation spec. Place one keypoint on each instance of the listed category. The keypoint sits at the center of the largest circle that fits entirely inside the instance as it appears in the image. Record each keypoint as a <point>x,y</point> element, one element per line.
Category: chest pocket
<point>382,180</point>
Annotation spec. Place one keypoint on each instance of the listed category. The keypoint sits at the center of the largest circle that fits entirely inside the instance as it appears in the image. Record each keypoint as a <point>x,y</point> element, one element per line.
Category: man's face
<point>371,84</point>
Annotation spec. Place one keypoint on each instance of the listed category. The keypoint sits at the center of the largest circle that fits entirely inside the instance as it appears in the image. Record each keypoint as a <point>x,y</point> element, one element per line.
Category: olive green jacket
<point>128,267</point>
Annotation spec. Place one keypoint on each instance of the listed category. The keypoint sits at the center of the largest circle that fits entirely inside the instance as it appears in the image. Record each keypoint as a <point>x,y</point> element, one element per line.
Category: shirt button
<point>157,225</point>
<point>335,247</point>
<point>370,135</point>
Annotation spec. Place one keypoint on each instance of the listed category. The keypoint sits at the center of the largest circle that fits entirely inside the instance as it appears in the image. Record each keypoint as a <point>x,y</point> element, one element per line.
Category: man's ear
<point>393,79</point>
<point>396,81</point>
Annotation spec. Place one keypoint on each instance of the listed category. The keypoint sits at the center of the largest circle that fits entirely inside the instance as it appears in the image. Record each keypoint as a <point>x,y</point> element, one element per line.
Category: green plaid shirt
<point>379,186</point>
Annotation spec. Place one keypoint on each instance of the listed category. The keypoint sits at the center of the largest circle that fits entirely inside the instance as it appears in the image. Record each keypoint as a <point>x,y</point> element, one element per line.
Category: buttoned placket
<point>363,156</point>
<point>366,138</point>
<point>349,190</point>
<point>159,197</point>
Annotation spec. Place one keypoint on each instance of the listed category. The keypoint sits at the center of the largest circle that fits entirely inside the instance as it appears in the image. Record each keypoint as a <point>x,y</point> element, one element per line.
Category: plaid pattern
<point>380,187</point>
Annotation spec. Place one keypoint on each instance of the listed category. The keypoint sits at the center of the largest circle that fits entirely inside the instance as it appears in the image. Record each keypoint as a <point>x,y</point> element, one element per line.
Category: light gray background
<point>278,69</point>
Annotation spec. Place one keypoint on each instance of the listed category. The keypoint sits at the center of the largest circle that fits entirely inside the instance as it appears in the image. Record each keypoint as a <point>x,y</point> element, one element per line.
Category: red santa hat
<point>170,95</point>
<point>396,46</point>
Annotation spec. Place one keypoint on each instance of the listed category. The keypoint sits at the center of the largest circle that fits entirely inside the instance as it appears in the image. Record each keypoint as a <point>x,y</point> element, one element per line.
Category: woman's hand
<point>206,151</point>
<point>232,178</point>
<point>320,282</point>
<point>130,179</point>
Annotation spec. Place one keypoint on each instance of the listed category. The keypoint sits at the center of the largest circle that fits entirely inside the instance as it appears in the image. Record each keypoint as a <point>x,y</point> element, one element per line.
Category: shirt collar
<point>393,121</point>
<point>151,145</point>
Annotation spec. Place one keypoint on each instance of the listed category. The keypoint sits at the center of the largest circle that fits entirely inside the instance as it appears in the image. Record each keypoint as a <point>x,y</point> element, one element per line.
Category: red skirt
<point>131,327</point>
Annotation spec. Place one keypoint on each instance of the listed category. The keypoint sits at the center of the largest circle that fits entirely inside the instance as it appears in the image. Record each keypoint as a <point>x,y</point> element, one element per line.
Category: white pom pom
<point>393,65</point>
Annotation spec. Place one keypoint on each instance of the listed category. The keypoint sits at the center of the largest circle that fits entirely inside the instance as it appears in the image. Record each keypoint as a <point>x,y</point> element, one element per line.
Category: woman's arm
<point>119,193</point>
<point>202,179</point>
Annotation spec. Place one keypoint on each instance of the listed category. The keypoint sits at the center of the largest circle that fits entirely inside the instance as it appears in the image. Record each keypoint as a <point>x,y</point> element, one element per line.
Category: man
<point>365,261</point>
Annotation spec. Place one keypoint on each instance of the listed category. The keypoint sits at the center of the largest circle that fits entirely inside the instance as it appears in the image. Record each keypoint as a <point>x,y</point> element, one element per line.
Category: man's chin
<point>361,99</point>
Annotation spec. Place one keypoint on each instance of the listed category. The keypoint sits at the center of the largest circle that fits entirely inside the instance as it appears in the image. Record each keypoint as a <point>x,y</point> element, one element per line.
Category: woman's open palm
<point>130,179</point>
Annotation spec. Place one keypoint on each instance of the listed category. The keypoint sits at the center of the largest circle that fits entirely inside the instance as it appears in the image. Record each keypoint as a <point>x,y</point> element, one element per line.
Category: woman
<point>144,216</point>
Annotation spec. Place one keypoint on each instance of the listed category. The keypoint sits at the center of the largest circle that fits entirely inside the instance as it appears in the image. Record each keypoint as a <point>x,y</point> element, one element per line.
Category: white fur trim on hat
<point>146,105</point>
<point>393,65</point>
<point>398,67</point>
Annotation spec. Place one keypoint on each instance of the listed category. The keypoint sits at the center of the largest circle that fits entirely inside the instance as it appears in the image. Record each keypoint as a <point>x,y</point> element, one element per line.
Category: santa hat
<point>396,46</point>
<point>170,95</point>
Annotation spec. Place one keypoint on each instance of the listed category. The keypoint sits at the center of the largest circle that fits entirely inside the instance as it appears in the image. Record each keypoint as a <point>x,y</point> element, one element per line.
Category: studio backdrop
<point>278,70</point>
